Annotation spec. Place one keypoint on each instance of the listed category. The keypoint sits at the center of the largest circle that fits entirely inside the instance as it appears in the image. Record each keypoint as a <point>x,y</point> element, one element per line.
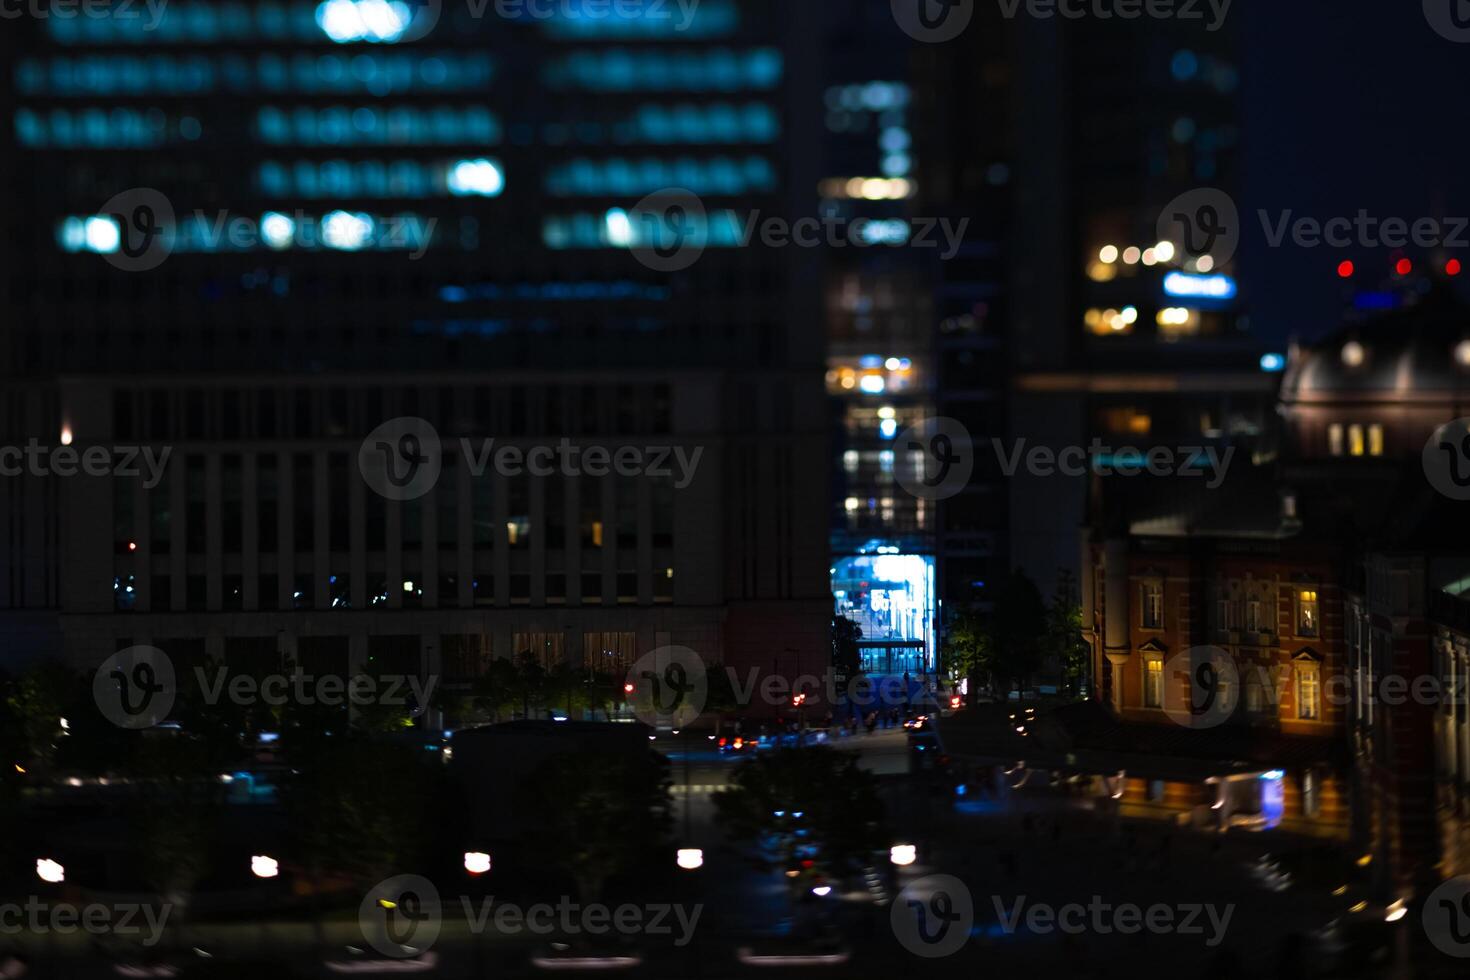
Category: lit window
<point>1255,695</point>
<point>1153,682</point>
<point>1375,440</point>
<point>1308,692</point>
<point>1355,440</point>
<point>1253,616</point>
<point>1307,623</point>
<point>1311,795</point>
<point>1334,438</point>
<point>1153,605</point>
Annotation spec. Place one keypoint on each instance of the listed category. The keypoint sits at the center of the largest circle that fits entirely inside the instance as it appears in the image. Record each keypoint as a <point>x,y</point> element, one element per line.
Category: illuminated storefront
<point>891,599</point>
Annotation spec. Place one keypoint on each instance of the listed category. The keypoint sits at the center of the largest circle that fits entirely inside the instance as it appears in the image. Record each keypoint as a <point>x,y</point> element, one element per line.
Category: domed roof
<point>1413,352</point>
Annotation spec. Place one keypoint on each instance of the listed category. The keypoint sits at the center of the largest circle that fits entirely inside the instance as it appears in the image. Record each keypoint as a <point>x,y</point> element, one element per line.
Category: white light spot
<point>103,235</point>
<point>476,178</point>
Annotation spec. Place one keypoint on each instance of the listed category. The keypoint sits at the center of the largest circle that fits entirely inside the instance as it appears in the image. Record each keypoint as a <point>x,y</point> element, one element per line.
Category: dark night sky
<point>1348,106</point>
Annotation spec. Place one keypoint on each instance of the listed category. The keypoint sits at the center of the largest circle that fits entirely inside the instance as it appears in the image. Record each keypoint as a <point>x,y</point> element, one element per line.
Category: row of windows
<point>506,411</point>
<point>615,228</point>
<point>313,179</point>
<point>97,128</point>
<point>224,22</point>
<point>235,23</point>
<point>607,178</point>
<point>1250,615</point>
<point>167,74</point>
<point>603,510</point>
<point>376,126</point>
<point>585,291</point>
<point>599,178</point>
<point>1307,679</point>
<point>594,589</point>
<point>341,231</point>
<point>690,70</point>
<point>683,123</point>
<point>720,122</point>
<point>646,22</point>
<point>1361,440</point>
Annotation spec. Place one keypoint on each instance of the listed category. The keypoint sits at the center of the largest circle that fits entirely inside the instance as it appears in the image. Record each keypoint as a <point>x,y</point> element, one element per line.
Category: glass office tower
<point>357,211</point>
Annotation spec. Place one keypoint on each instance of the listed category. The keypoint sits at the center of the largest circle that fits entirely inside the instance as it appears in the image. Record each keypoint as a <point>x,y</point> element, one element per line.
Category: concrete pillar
<point>1115,607</point>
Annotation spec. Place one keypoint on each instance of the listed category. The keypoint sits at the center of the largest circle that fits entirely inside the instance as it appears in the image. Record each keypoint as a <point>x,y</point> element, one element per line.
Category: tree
<point>175,809</point>
<point>598,814</point>
<point>968,651</point>
<point>529,682</point>
<point>1016,630</point>
<point>495,690</point>
<point>356,804</point>
<point>1063,641</point>
<point>815,802</point>
<point>35,704</point>
<point>846,658</point>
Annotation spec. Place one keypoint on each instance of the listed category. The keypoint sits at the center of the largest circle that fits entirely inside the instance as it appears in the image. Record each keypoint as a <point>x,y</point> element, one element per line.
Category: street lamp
<point>50,871</point>
<point>690,858</point>
<point>476,862</point>
<point>903,855</point>
<point>263,866</point>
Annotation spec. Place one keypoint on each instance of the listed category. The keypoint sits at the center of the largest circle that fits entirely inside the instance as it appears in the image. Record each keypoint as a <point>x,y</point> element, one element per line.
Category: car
<point>736,744</point>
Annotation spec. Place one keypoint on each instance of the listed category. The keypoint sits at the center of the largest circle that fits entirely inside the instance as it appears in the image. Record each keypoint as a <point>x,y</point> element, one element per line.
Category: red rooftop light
<point>1344,269</point>
<point>1452,267</point>
<point>1403,267</point>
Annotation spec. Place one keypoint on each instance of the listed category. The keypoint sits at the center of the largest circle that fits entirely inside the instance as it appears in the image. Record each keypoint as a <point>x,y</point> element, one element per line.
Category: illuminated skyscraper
<point>430,211</point>
<point>1124,332</point>
<point>913,329</point>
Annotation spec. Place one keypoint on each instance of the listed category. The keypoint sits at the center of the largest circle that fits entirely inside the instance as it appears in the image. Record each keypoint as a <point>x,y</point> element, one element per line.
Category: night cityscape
<point>734,488</point>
